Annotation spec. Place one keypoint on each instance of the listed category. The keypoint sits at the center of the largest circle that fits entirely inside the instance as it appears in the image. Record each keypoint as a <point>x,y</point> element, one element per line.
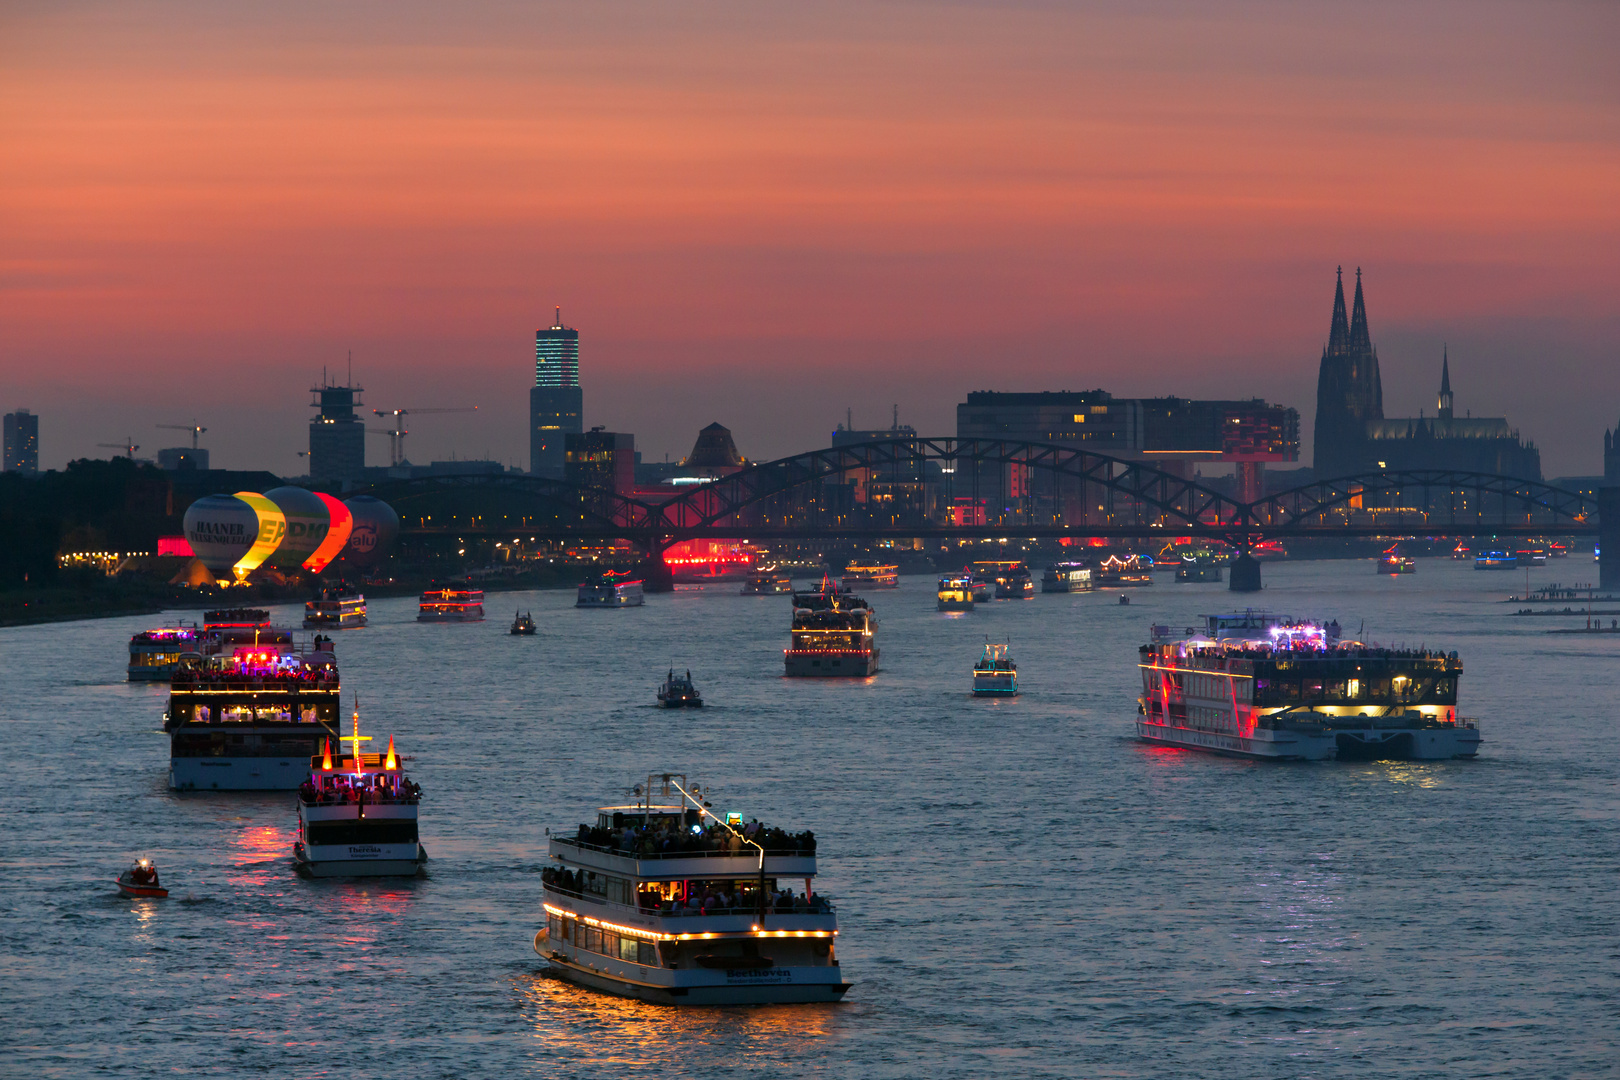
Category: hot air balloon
<point>307,522</point>
<point>272,530</point>
<point>375,527</point>
<point>337,534</point>
<point>221,529</point>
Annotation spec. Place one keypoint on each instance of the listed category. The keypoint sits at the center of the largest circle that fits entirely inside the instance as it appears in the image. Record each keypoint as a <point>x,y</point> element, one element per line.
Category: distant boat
<point>523,625</point>
<point>995,675</point>
<point>141,880</point>
<point>679,693</point>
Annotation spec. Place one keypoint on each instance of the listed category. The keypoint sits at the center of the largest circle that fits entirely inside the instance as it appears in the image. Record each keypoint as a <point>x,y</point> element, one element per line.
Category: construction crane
<point>396,434</point>
<point>192,427</point>
<point>127,446</point>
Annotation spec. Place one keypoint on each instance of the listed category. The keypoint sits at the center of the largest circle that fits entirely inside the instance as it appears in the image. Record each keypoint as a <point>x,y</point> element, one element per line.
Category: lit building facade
<point>556,404</point>
<point>601,459</point>
<point>22,443</point>
<point>337,435</point>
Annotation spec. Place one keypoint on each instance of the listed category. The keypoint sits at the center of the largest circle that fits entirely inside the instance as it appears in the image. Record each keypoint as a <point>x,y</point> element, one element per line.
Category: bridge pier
<point>656,576</point>
<point>1244,573</point>
<point>1609,538</point>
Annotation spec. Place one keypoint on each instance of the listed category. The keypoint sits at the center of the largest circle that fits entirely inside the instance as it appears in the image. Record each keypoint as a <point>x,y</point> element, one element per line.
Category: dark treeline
<point>117,505</point>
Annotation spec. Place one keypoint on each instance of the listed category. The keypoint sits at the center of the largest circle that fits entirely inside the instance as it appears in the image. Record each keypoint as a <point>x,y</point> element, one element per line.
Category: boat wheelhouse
<point>665,901</point>
<point>335,607</point>
<point>1251,684</point>
<point>1068,577</point>
<point>678,692</point>
<point>1495,559</point>
<point>955,593</point>
<point>871,576</point>
<point>767,584</point>
<point>834,634</point>
<point>248,719</point>
<point>995,675</point>
<point>153,654</point>
<point>357,814</point>
<point>610,589</point>
<point>452,603</point>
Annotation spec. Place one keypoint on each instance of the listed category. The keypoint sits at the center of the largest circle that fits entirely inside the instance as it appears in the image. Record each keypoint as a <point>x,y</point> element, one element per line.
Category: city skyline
<point>766,218</point>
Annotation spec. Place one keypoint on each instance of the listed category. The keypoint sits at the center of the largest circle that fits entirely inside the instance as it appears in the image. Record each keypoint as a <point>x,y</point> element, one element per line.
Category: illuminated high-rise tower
<point>556,404</point>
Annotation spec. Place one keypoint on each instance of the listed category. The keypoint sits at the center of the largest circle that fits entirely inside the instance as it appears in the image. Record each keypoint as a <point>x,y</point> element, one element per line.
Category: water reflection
<point>585,1028</point>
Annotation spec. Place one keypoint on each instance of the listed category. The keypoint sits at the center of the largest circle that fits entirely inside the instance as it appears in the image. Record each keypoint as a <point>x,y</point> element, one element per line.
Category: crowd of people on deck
<point>718,897</point>
<point>298,676</point>
<point>341,789</point>
<point>1307,651</point>
<point>673,837</point>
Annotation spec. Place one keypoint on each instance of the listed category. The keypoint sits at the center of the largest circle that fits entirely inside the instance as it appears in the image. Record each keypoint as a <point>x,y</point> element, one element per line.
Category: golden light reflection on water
<point>1420,774</point>
<point>586,1027</point>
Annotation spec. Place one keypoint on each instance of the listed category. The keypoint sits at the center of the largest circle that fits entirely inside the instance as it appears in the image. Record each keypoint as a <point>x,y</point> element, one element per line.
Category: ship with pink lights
<point>1252,684</point>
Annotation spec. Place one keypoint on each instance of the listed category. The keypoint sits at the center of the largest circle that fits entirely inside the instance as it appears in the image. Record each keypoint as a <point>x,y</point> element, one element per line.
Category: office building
<point>337,435</point>
<point>22,443</point>
<point>556,404</point>
<point>600,459</point>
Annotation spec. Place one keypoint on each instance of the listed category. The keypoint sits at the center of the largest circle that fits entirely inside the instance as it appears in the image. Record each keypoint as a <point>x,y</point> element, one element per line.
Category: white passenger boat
<point>664,901</point>
<point>357,815</point>
<point>335,607</point>
<point>1251,684</point>
<point>1068,577</point>
<point>153,654</point>
<point>610,589</point>
<point>834,635</point>
<point>248,716</point>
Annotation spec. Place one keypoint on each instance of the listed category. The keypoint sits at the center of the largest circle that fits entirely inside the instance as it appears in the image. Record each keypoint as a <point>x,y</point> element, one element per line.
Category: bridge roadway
<point>944,488</point>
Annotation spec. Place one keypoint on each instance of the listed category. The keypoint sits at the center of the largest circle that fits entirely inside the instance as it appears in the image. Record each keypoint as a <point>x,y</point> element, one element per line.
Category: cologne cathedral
<point>1353,435</point>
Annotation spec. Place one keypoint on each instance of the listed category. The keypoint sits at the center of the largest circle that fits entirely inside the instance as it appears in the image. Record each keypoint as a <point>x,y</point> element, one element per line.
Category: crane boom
<point>396,442</point>
<point>193,427</point>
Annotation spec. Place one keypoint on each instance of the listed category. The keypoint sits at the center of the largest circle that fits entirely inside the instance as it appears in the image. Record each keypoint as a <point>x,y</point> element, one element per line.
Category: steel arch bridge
<point>977,488</point>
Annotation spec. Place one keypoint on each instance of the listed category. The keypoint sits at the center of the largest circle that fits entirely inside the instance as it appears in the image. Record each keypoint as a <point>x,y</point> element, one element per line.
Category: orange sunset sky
<point>764,214</point>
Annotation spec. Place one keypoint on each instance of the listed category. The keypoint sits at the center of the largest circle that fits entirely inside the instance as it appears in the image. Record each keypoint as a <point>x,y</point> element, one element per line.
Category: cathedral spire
<point>1445,383</point>
<point>1339,334</point>
<point>1360,340</point>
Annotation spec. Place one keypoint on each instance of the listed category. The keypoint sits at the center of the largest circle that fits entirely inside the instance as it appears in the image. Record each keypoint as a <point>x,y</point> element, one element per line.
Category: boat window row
<point>666,838</point>
<point>1196,684</point>
<point>691,896</point>
<point>605,942</point>
<point>279,713</point>
<point>221,744</point>
<point>363,831</point>
<point>1377,690</point>
<point>153,659</point>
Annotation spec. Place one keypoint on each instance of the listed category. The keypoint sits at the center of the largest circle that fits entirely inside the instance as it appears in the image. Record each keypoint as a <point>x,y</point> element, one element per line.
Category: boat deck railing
<point>694,853</point>
<point>671,909</point>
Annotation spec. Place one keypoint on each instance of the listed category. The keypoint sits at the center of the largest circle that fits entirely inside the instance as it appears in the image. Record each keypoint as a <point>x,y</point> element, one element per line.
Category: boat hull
<point>1265,745</point>
<point>850,665</point>
<point>152,673</point>
<point>956,605</point>
<point>318,862</point>
<point>237,773</point>
<point>149,892</point>
<point>438,617</point>
<point>1407,744</point>
<point>724,988</point>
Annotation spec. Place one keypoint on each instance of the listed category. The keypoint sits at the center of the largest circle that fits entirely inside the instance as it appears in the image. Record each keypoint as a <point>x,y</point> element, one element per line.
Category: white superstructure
<point>665,901</point>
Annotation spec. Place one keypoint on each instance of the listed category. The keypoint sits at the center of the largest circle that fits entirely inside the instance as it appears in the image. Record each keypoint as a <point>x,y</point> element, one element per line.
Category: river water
<point>1023,889</point>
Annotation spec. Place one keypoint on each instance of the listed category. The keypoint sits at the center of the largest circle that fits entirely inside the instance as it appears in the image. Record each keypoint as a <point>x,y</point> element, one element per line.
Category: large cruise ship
<point>871,576</point>
<point>665,901</point>
<point>249,716</point>
<point>834,634</point>
<point>1254,685</point>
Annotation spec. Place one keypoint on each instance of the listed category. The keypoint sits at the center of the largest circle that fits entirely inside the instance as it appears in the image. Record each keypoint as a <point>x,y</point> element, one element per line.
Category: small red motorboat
<point>141,880</point>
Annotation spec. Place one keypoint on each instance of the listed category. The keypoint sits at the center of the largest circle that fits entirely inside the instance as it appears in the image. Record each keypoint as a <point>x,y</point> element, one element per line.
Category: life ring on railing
<point>543,935</point>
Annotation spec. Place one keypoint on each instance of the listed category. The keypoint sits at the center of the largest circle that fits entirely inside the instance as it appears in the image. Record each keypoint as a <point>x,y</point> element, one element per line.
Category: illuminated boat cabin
<point>767,584</point>
<point>337,607</point>
<point>1068,577</point>
<point>154,654</point>
<point>834,634</point>
<point>357,815</point>
<point>871,576</point>
<point>610,589</point>
<point>1254,685</point>
<point>1120,571</point>
<point>995,675</point>
<point>669,902</point>
<point>451,604</point>
<point>955,593</point>
<point>250,718</point>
